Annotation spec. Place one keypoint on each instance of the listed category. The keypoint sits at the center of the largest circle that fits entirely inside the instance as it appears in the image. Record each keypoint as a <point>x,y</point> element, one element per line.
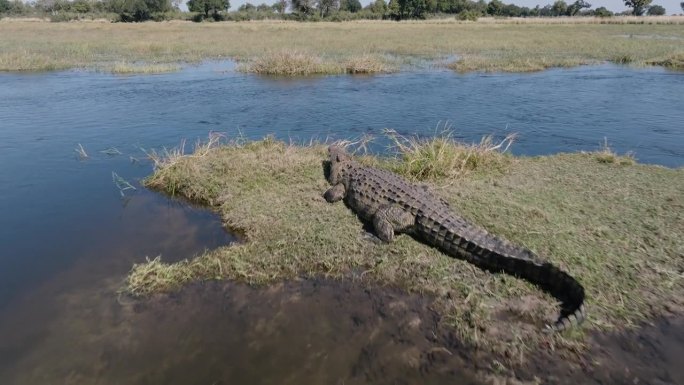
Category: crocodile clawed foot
<point>368,236</point>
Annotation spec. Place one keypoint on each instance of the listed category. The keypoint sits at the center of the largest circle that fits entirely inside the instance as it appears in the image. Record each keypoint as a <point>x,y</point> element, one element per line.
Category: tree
<point>246,7</point>
<point>81,6</point>
<point>560,8</point>
<point>409,9</point>
<point>379,6</point>
<point>452,6</point>
<point>656,10</point>
<point>279,6</point>
<point>326,7</point>
<point>638,6</point>
<point>512,10</point>
<point>16,7</point>
<point>303,7</point>
<point>263,7</point>
<point>603,12</point>
<point>352,6</point>
<point>206,6</point>
<point>136,10</point>
<point>681,5</point>
<point>495,8</point>
<point>5,6</point>
<point>576,7</point>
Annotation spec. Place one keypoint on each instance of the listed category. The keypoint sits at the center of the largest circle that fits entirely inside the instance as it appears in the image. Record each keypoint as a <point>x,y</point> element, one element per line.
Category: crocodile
<point>395,206</point>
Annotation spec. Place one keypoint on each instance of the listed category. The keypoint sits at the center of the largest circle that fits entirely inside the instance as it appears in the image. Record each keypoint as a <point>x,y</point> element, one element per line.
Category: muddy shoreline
<point>385,335</point>
<point>298,331</point>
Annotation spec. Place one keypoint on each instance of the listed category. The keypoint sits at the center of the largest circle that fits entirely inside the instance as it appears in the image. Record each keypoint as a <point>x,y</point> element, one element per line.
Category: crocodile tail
<point>465,241</point>
<point>571,293</point>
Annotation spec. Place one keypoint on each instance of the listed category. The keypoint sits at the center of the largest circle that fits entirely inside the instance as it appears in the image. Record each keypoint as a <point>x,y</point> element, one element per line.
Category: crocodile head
<point>339,163</point>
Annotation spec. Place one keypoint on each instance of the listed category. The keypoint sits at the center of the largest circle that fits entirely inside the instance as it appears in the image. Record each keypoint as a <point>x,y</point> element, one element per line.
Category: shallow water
<point>297,332</point>
<point>69,235</point>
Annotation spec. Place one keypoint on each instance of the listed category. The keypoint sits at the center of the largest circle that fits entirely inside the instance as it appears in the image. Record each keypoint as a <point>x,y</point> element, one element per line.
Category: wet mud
<point>650,354</point>
<point>304,331</point>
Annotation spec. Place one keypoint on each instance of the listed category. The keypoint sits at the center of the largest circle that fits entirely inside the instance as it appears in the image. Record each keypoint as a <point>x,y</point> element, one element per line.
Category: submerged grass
<point>352,47</point>
<point>617,228</point>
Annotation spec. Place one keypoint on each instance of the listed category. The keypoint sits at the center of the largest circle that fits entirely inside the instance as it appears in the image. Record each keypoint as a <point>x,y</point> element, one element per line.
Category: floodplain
<point>486,45</point>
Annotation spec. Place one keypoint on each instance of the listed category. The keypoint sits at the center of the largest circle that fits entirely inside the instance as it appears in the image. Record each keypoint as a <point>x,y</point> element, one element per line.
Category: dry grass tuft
<point>674,61</point>
<point>294,63</point>
<point>165,160</point>
<point>289,63</point>
<point>124,68</point>
<point>607,155</point>
<point>443,157</point>
<point>366,64</point>
<point>154,276</point>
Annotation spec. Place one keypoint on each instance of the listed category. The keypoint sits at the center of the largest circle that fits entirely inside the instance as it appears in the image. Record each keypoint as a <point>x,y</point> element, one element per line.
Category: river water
<point>70,230</point>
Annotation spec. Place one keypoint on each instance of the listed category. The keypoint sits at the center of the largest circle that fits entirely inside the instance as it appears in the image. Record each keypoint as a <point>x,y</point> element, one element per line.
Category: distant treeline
<point>306,10</point>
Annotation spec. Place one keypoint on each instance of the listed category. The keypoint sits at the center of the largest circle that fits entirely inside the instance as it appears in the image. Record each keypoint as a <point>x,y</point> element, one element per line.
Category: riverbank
<point>612,224</point>
<point>487,45</point>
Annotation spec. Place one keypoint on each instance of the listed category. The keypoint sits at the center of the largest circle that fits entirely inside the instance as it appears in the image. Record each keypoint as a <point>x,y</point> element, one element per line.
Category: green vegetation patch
<point>673,61</point>
<point>288,63</point>
<point>616,227</point>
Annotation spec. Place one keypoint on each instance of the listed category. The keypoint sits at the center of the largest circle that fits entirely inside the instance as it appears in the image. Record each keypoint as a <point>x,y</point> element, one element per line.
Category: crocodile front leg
<point>335,193</point>
<point>390,219</point>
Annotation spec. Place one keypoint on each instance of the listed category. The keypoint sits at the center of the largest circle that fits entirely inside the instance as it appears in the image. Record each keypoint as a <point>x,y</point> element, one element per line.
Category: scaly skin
<point>394,206</point>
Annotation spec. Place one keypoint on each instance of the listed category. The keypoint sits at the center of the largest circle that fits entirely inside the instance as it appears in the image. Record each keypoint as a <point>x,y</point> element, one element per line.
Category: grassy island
<point>614,224</point>
<point>292,48</point>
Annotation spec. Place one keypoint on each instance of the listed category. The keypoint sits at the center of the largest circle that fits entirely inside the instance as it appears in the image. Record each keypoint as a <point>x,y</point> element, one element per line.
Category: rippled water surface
<point>69,234</point>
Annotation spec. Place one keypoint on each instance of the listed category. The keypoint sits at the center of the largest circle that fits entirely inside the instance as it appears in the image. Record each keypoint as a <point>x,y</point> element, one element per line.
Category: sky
<point>671,6</point>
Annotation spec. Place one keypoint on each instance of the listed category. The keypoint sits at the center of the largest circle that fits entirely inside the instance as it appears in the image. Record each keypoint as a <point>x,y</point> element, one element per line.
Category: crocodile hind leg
<point>390,219</point>
<point>335,193</point>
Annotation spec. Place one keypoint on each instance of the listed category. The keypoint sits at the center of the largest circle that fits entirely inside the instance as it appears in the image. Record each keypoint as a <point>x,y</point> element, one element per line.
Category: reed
<point>124,68</point>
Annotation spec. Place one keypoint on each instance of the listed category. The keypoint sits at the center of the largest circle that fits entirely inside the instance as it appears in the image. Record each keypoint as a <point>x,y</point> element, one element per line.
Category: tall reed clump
<point>366,64</point>
<point>443,157</point>
<point>606,155</point>
<point>295,63</point>
<point>124,68</point>
<point>290,63</point>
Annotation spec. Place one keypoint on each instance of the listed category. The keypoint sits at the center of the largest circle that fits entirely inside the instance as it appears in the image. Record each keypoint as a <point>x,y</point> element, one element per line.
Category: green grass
<point>674,61</point>
<point>286,63</point>
<point>615,227</point>
<point>487,45</point>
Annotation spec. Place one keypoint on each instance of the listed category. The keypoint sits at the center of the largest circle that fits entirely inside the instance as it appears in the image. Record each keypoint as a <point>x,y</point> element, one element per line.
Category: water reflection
<point>291,333</point>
